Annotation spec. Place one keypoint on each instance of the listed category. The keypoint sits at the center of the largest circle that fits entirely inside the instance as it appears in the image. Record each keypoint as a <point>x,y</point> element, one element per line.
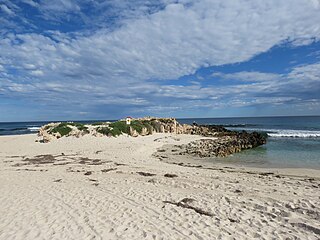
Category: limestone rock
<point>223,142</point>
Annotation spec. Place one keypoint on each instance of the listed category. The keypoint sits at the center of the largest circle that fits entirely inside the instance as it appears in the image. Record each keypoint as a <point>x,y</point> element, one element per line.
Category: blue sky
<point>106,59</point>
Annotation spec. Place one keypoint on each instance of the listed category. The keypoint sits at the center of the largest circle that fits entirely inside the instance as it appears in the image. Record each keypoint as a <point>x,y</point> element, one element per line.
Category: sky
<point>107,59</point>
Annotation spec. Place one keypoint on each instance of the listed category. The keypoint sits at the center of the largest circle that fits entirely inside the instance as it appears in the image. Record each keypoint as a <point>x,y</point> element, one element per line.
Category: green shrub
<point>120,126</point>
<point>80,126</point>
<point>108,131</point>
<point>104,130</point>
<point>98,123</point>
<point>155,125</point>
<point>116,132</point>
<point>62,128</point>
<point>137,125</point>
<point>148,125</point>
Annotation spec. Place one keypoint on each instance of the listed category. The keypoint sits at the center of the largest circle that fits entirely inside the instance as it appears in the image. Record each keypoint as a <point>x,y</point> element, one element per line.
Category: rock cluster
<point>232,142</point>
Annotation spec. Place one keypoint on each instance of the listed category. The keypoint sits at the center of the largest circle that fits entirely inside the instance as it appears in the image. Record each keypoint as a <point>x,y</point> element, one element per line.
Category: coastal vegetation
<point>63,129</point>
<point>121,127</point>
<point>109,131</point>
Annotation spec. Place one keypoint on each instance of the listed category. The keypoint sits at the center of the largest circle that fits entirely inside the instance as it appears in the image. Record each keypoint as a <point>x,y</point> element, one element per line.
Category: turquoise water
<point>292,142</point>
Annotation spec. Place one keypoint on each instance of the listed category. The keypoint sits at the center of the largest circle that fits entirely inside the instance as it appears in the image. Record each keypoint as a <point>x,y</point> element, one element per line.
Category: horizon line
<point>89,120</point>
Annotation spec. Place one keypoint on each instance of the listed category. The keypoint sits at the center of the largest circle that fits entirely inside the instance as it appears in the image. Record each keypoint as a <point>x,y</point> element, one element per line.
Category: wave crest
<point>294,134</point>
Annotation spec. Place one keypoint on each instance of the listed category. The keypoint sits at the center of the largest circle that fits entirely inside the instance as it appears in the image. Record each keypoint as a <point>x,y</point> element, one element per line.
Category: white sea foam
<point>295,134</point>
<point>33,129</point>
<point>283,133</point>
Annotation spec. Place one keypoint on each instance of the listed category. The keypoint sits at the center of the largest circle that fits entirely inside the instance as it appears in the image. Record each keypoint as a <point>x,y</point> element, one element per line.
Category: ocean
<point>292,142</point>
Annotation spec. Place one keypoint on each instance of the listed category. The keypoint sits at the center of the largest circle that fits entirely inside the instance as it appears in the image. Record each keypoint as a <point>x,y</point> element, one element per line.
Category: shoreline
<point>279,169</point>
<point>171,154</point>
<point>115,188</point>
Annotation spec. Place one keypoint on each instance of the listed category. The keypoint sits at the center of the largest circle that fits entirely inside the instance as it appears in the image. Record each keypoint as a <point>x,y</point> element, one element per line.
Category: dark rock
<point>168,175</point>
<point>145,174</point>
<point>231,142</point>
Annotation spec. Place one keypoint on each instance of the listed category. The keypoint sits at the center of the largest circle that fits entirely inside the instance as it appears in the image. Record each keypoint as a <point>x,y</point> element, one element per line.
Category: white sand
<point>57,201</point>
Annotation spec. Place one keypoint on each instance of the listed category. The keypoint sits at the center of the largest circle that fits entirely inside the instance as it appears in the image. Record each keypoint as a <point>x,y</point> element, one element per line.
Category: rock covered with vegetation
<point>142,126</point>
<point>225,142</point>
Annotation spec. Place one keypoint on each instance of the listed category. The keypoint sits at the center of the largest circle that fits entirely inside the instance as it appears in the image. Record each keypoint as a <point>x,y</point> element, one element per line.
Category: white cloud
<point>7,10</point>
<point>124,65</point>
<point>248,76</point>
<point>37,73</point>
<point>178,40</point>
<point>31,3</point>
<point>59,5</point>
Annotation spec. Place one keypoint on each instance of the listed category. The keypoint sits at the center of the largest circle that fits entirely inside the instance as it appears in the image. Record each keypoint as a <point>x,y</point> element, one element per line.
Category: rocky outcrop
<point>222,142</point>
<point>223,146</point>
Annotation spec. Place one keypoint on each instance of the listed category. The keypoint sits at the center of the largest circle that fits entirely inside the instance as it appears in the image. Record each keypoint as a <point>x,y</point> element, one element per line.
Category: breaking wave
<point>283,133</point>
<point>33,129</point>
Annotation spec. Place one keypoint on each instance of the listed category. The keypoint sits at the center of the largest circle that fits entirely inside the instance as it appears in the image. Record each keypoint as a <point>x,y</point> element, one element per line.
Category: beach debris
<point>120,164</point>
<point>108,170</point>
<point>41,159</point>
<point>185,203</point>
<point>307,227</point>
<point>89,161</point>
<point>27,169</point>
<point>233,220</point>
<point>145,174</point>
<point>169,175</point>
<point>152,180</point>
<point>88,173</point>
<point>92,180</point>
<point>266,173</point>
<point>58,180</point>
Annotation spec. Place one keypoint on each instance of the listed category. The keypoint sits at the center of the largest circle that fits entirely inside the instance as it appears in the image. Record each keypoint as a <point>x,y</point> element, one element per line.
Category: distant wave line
<point>284,133</point>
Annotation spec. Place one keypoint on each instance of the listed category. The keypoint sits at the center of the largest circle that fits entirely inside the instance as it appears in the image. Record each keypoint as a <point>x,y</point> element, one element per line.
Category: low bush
<point>137,125</point>
<point>109,131</point>
<point>120,126</point>
<point>62,128</point>
<point>80,126</point>
<point>98,123</point>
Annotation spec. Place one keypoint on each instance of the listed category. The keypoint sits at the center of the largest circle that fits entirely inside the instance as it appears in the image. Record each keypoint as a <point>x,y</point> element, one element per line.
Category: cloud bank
<point>134,59</point>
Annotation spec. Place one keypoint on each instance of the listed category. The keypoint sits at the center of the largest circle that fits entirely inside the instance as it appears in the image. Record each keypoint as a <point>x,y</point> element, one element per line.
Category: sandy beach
<point>125,188</point>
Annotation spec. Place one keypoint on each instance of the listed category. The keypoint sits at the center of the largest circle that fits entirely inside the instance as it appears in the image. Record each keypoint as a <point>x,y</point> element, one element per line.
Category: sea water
<point>18,128</point>
<point>292,141</point>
